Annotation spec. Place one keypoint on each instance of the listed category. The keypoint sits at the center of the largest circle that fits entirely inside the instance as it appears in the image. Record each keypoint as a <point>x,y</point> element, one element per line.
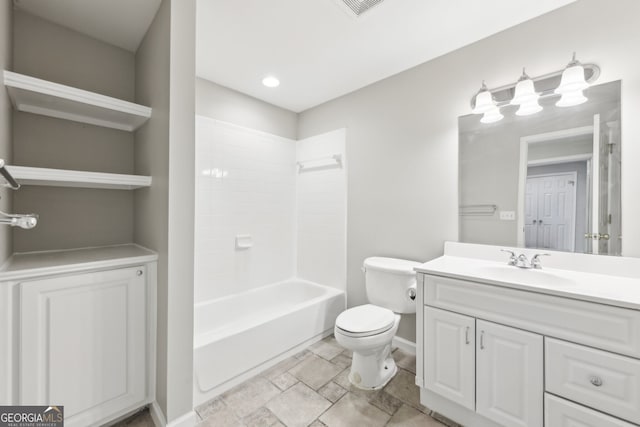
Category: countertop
<point>610,289</point>
<point>36,264</point>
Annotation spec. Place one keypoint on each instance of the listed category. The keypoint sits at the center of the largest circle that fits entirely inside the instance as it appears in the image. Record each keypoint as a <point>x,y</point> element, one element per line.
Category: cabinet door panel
<point>449,348</point>
<point>509,375</point>
<point>83,343</point>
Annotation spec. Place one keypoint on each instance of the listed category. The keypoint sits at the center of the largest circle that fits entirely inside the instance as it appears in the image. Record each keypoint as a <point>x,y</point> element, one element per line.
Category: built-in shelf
<point>38,96</point>
<point>70,178</point>
<point>46,263</point>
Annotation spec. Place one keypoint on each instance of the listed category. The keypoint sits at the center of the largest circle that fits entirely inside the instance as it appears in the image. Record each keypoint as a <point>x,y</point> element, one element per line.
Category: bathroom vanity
<point>503,346</point>
<point>78,329</point>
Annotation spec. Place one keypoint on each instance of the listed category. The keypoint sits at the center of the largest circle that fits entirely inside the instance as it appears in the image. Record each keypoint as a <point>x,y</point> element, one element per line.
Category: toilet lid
<point>368,318</point>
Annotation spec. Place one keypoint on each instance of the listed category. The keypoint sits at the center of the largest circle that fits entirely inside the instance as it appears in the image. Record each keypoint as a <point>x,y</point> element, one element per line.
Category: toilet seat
<point>365,320</point>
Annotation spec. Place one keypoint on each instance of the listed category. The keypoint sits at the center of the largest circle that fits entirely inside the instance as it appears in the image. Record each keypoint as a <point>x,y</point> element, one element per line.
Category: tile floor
<point>312,389</point>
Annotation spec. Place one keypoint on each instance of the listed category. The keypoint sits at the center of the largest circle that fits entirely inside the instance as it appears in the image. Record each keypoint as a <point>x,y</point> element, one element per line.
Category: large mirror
<point>549,180</point>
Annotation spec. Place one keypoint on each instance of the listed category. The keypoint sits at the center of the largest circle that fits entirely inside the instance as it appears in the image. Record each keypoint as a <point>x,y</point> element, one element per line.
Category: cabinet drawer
<point>605,381</point>
<point>561,413</point>
<point>602,326</point>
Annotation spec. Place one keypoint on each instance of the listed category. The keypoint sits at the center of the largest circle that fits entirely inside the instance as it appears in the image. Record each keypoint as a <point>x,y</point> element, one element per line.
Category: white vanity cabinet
<point>450,355</point>
<point>491,355</point>
<point>509,375</point>
<point>84,334</point>
<point>490,368</point>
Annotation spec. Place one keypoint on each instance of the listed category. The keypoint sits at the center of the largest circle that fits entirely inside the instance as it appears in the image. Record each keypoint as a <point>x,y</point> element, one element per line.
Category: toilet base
<point>372,371</point>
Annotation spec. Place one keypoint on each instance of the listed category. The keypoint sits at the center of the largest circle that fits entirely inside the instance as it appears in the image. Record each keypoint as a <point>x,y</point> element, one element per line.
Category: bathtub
<point>247,332</point>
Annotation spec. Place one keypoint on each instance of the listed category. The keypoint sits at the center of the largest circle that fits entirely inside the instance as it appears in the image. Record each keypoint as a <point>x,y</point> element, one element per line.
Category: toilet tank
<point>387,282</point>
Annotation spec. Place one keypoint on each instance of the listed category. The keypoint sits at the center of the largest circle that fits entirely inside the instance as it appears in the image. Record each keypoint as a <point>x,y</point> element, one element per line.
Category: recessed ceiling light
<point>271,81</point>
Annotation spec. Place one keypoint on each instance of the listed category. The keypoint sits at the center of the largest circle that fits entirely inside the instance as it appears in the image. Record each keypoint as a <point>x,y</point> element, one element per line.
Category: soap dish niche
<point>244,241</point>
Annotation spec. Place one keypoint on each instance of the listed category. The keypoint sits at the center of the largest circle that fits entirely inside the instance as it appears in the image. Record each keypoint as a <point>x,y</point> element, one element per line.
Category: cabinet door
<point>82,343</point>
<point>509,375</point>
<point>449,355</point>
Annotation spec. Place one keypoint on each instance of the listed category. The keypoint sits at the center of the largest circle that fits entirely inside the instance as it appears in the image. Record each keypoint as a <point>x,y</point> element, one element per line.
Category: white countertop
<point>36,264</point>
<point>608,289</point>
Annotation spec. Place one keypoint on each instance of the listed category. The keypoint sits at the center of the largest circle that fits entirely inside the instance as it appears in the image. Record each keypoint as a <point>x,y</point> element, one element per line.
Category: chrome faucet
<point>513,259</point>
<point>521,261</point>
<point>535,261</point>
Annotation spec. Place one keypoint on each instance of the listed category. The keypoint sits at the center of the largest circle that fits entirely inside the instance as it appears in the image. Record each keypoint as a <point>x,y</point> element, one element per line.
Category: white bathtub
<point>250,331</point>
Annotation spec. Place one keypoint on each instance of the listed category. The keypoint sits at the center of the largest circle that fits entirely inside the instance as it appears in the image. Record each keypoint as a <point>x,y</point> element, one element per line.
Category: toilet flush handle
<point>412,293</point>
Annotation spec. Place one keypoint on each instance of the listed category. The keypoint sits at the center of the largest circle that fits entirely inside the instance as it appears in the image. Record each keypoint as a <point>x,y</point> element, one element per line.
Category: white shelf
<point>46,263</point>
<point>81,179</point>
<point>64,102</point>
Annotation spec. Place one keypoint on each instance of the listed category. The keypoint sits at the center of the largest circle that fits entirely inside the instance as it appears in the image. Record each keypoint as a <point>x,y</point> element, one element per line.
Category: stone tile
<point>407,416</point>
<point>209,408</point>
<point>444,420</point>
<point>249,396</point>
<point>317,423</point>
<point>261,418</point>
<point>284,381</point>
<point>315,372</point>
<point>298,406</point>
<point>403,386</point>
<point>342,379</point>
<point>383,400</point>
<point>332,391</point>
<point>341,360</point>
<point>280,368</point>
<point>328,348</point>
<point>354,410</point>
<point>140,419</point>
<point>224,417</point>
<point>405,360</point>
<point>303,355</point>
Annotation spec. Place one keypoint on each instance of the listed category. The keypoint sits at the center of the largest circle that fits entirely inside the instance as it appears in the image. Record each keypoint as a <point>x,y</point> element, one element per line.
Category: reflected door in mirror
<point>550,211</point>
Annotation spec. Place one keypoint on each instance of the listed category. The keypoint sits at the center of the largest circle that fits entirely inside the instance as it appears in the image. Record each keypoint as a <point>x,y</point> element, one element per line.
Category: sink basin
<point>509,273</point>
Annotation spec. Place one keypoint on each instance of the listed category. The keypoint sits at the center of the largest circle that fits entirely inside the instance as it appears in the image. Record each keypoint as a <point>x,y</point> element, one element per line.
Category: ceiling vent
<point>358,7</point>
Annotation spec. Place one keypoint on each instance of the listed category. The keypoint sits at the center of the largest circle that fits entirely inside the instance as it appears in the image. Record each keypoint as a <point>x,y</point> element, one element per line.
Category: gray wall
<point>152,158</point>
<point>71,217</point>
<point>164,213</point>
<point>227,105</point>
<point>181,207</point>
<point>402,137</point>
<point>6,45</point>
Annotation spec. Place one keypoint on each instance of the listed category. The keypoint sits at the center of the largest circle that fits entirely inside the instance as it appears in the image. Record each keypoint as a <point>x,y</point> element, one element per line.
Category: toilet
<point>368,329</point>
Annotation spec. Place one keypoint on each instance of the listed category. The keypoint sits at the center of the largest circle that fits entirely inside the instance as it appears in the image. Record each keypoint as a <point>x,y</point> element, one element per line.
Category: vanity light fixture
<point>572,85</point>
<point>568,83</point>
<point>271,81</point>
<point>492,116</point>
<point>526,96</point>
<point>486,105</point>
<point>484,100</point>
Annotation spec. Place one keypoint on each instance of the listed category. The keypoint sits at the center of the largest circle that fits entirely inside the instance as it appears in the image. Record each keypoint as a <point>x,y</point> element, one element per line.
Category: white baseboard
<point>189,419</point>
<point>156,415</point>
<point>404,345</point>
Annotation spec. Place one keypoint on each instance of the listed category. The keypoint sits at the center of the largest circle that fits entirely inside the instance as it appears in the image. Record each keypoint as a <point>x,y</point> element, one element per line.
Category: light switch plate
<point>507,215</point>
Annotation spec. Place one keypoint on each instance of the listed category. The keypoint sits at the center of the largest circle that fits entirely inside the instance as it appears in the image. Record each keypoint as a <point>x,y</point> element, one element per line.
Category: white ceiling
<point>320,52</point>
<point>122,23</point>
